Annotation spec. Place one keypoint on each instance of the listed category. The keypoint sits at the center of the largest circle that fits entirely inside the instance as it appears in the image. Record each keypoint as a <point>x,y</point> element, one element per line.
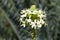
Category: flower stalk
<point>33,34</point>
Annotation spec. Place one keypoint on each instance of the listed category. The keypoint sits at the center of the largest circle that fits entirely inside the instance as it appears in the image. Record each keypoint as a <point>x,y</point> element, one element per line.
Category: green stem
<point>33,34</point>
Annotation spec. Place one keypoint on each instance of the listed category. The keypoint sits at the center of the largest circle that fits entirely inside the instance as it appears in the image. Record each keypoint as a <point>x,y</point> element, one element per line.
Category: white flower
<point>35,12</point>
<point>21,19</point>
<point>30,12</point>
<point>41,21</point>
<point>28,20</point>
<point>23,11</point>
<point>23,15</point>
<point>42,15</point>
<point>27,10</point>
<point>23,25</point>
<point>23,22</point>
<point>34,26</point>
<point>40,25</point>
<point>38,22</point>
<point>34,22</point>
<point>40,11</point>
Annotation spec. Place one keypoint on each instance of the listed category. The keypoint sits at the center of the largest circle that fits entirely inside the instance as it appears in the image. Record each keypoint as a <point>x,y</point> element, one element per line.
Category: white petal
<point>21,19</point>
<point>29,20</point>
<point>38,22</point>
<point>23,25</point>
<point>35,21</point>
<point>23,11</point>
<point>32,26</point>
<point>40,26</point>
<point>32,23</point>
<point>23,15</point>
<point>42,21</point>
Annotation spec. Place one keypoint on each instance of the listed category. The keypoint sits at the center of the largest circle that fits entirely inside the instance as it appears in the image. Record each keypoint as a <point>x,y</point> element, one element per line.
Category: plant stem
<point>33,34</point>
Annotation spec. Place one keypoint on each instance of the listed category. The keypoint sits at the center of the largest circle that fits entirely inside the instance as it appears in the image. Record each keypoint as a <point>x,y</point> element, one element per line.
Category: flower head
<point>34,18</point>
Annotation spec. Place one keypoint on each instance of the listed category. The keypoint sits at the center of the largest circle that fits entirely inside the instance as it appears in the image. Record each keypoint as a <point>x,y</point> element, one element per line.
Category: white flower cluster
<point>35,18</point>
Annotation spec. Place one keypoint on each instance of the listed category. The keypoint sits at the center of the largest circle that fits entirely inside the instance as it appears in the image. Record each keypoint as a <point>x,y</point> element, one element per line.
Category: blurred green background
<point>9,20</point>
